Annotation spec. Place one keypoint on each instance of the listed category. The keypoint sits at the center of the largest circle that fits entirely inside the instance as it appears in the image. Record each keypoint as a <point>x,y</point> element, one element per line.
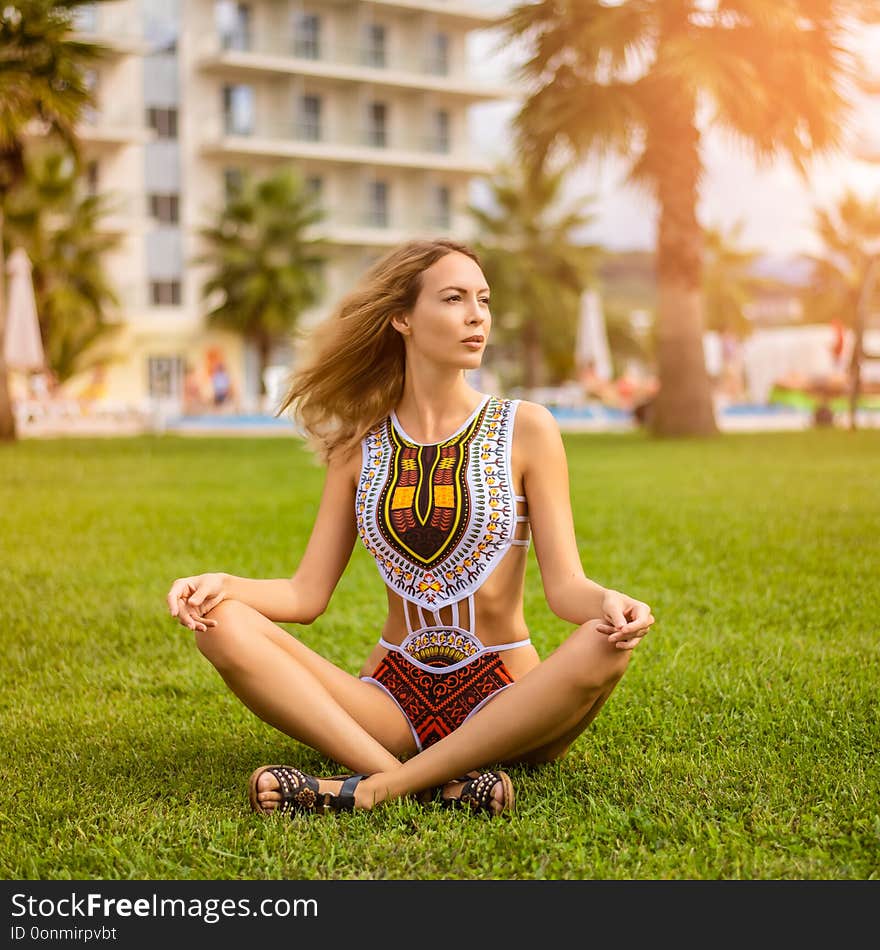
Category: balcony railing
<point>423,62</point>
<point>91,19</point>
<point>382,219</point>
<point>310,131</point>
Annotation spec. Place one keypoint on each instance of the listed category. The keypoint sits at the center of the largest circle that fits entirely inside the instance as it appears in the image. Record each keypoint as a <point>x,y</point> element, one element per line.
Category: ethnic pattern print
<point>438,647</point>
<point>438,702</point>
<point>437,518</point>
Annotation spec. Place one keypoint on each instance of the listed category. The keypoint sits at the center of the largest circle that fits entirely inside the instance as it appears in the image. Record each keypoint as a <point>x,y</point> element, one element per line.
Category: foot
<point>266,794</point>
<point>498,799</point>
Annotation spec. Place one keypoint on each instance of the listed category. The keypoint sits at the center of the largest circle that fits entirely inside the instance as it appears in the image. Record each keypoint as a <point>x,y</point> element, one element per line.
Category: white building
<point>369,99</point>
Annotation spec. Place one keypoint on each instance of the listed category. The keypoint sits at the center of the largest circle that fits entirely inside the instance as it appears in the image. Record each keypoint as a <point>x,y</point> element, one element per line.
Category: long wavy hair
<point>353,367</point>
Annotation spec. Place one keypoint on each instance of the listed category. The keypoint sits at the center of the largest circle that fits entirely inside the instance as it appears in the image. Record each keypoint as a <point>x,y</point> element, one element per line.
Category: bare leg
<point>533,720</point>
<point>354,723</point>
<point>302,694</point>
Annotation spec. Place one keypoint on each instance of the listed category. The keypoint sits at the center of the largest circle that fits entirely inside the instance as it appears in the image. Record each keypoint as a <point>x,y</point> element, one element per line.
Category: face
<point>452,307</point>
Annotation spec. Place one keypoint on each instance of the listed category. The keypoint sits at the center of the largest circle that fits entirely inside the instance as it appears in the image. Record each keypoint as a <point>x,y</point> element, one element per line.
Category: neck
<point>433,403</point>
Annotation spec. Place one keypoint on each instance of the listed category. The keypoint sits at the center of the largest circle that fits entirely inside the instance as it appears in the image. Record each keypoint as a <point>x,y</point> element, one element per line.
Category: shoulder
<point>537,440</point>
<point>344,464</point>
<point>534,423</point>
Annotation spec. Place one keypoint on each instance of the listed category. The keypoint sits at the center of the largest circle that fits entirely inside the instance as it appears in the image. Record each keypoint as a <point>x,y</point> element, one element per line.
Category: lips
<point>473,339</point>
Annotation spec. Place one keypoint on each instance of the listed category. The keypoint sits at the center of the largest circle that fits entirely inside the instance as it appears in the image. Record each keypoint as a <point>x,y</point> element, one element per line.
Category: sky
<point>775,205</point>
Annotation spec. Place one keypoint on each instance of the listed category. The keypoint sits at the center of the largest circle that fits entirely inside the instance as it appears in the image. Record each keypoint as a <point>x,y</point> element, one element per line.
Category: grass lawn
<point>741,744</point>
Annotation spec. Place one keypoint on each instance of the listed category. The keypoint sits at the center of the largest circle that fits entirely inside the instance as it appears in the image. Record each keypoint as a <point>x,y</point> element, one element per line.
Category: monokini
<point>438,519</point>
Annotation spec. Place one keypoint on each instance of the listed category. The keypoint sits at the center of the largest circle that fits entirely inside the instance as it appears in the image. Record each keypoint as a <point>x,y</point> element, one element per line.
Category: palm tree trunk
<point>532,355</point>
<point>265,351</point>
<point>7,416</point>
<point>855,363</point>
<point>683,405</point>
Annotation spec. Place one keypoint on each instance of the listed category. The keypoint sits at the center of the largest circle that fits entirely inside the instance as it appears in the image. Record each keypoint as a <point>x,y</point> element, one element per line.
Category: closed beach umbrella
<point>592,336</point>
<point>22,344</point>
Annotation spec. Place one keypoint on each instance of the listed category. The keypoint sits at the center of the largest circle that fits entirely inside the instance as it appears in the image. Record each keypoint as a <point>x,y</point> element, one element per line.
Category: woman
<point>444,485</point>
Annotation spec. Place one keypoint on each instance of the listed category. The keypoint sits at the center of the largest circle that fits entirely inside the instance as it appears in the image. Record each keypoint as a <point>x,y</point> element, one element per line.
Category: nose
<point>475,314</point>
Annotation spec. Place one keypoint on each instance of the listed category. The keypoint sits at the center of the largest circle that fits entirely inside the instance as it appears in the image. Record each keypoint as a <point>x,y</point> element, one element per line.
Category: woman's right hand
<point>190,598</point>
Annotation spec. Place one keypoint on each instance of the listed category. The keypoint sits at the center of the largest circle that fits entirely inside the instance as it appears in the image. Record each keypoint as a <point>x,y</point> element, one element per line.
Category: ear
<point>400,322</point>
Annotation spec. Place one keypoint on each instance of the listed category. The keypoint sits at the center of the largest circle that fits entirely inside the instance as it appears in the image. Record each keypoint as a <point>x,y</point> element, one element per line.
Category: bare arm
<point>570,594</point>
<point>297,599</point>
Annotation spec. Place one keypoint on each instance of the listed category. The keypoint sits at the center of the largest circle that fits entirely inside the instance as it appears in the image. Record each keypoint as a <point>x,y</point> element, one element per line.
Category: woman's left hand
<point>625,620</point>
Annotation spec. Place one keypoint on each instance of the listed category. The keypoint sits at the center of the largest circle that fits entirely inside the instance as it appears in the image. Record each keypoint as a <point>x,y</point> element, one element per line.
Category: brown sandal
<point>476,793</point>
<point>299,792</point>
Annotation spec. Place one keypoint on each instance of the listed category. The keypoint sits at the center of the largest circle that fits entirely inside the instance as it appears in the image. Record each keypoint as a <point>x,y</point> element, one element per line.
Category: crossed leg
<point>356,724</point>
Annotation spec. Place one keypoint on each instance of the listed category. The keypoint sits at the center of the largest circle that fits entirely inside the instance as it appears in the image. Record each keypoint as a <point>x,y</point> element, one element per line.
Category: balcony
<point>477,15</point>
<point>111,129</point>
<point>362,146</point>
<point>121,34</point>
<point>247,54</point>
<point>378,227</point>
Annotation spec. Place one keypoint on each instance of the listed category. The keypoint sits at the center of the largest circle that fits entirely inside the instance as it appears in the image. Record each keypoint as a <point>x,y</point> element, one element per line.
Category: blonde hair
<point>353,371</point>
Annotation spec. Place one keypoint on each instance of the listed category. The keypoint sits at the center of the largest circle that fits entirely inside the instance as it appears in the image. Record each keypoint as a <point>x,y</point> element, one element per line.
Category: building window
<point>438,54</point>
<point>165,292</point>
<point>85,18</point>
<point>377,204</point>
<point>238,110</point>
<point>233,24</point>
<point>377,124</point>
<point>233,179</point>
<point>314,188</point>
<point>307,36</point>
<point>165,208</point>
<point>309,125</point>
<point>165,376</point>
<point>316,270</point>
<point>440,140</point>
<point>163,122</point>
<point>442,207</point>
<point>92,177</point>
<point>374,45</point>
<point>90,112</point>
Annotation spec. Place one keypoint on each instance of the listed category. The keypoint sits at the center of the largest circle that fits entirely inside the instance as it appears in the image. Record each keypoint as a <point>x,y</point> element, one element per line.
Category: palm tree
<point>43,90</point>
<point>844,283</point>
<point>728,281</point>
<point>537,270</point>
<point>264,267</point>
<point>641,79</point>
<point>61,229</point>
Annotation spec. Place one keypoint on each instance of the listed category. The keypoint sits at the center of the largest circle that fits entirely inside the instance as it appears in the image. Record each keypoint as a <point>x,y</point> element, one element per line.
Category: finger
<point>186,616</point>
<point>172,599</point>
<point>179,589</point>
<point>625,635</point>
<point>207,607</point>
<point>616,618</point>
<point>628,644</point>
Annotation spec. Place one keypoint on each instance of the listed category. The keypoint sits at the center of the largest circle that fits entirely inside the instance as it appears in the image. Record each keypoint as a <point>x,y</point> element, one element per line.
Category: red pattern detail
<point>438,703</point>
<point>403,519</point>
<point>442,518</point>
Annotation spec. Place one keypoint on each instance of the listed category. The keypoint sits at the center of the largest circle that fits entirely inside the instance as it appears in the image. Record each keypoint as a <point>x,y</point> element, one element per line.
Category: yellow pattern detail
<point>444,496</point>
<point>403,498</point>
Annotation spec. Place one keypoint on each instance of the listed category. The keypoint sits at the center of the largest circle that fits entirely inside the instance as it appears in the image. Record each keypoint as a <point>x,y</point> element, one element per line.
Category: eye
<point>453,297</point>
<point>484,300</point>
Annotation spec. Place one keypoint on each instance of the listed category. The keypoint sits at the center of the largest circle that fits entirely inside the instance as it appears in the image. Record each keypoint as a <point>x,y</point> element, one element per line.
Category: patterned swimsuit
<point>438,519</point>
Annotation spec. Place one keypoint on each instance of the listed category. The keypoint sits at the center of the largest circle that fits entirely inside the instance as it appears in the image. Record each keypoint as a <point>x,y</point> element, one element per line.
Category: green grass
<point>741,744</point>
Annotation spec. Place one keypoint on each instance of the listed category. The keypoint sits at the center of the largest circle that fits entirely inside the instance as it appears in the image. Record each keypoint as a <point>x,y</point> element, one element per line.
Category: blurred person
<point>446,487</point>
<point>194,400</point>
<point>221,384</point>
<point>94,390</point>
